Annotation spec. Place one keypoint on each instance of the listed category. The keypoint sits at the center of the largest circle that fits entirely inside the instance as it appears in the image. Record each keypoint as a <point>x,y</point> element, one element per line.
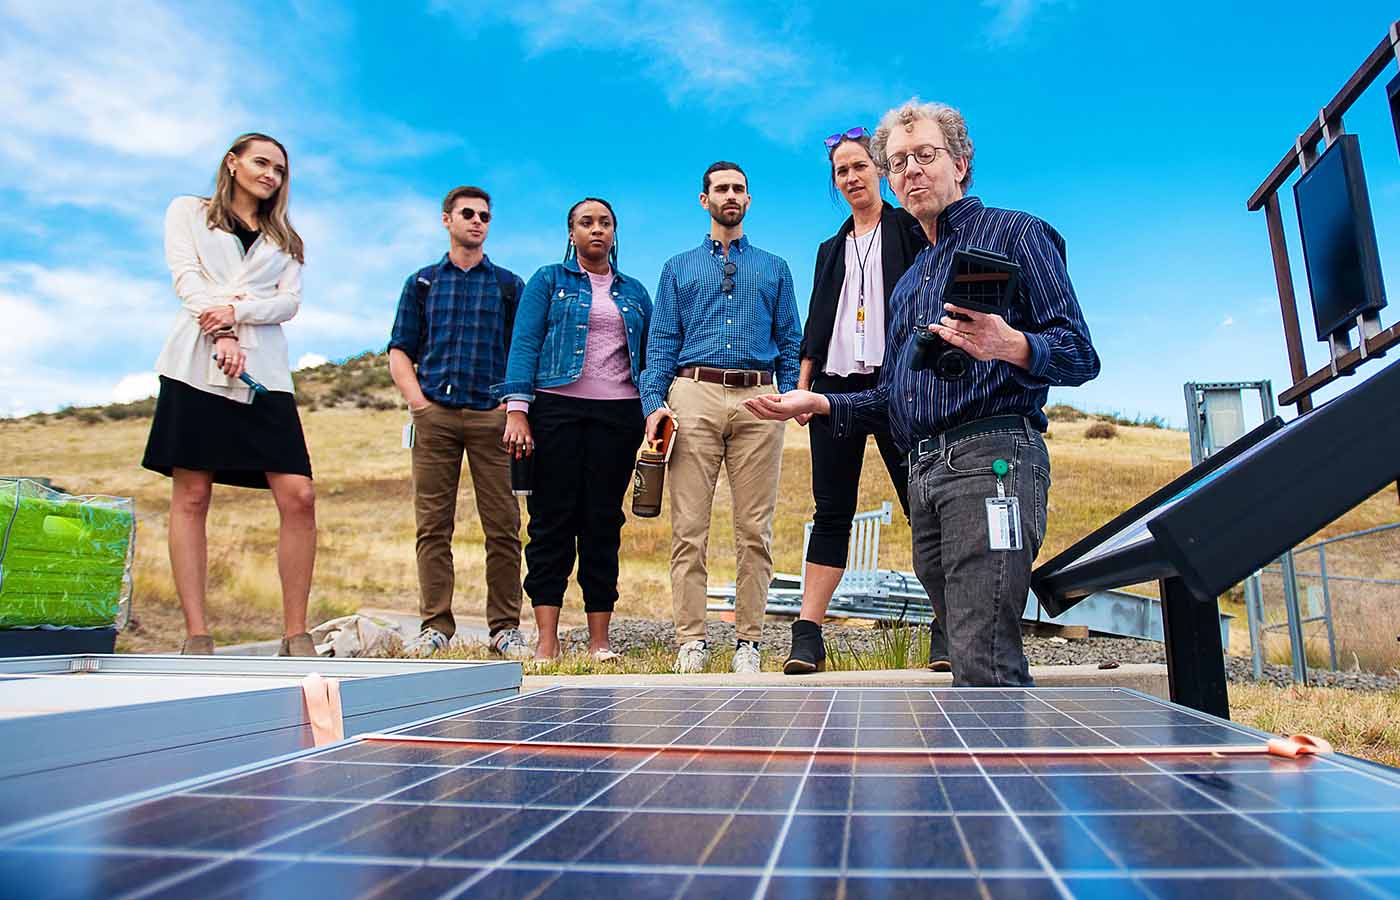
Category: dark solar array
<point>389,819</point>
<point>851,718</point>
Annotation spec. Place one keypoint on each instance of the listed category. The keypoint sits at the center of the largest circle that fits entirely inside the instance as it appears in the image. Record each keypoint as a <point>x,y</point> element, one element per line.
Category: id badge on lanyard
<point>860,329</point>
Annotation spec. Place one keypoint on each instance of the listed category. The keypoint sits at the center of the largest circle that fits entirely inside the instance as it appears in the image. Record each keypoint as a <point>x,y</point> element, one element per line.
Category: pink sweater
<point>607,367</point>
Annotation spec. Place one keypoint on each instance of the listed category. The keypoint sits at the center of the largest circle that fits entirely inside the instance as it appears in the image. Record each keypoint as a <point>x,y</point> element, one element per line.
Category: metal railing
<point>1324,577</point>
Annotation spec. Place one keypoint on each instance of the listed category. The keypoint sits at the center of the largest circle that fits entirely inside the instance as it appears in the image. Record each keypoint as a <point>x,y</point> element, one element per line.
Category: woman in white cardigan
<point>236,262</point>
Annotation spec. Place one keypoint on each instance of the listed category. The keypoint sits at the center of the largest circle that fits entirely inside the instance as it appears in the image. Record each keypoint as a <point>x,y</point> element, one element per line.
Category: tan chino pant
<point>442,436</point>
<point>713,427</point>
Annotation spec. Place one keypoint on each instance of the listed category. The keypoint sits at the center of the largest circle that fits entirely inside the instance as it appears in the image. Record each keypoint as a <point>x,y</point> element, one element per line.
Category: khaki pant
<point>713,427</point>
<point>441,437</point>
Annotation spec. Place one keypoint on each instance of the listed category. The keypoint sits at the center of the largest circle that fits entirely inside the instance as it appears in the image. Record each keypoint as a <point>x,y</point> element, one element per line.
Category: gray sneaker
<point>427,643</point>
<point>746,659</point>
<point>693,657</point>
<point>508,643</point>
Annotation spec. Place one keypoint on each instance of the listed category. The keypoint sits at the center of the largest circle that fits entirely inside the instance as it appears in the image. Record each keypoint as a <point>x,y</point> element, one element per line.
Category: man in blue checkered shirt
<point>450,341</point>
<point>723,328</point>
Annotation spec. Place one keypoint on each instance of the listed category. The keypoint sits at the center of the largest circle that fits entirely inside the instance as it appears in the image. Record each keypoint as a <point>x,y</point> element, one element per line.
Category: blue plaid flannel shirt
<point>456,334</point>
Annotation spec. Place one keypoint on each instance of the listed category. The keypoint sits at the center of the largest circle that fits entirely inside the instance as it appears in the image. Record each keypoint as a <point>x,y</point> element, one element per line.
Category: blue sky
<point>1138,130</point>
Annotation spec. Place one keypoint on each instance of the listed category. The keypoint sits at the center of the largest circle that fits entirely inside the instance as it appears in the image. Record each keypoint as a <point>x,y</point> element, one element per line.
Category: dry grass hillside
<point>366,556</point>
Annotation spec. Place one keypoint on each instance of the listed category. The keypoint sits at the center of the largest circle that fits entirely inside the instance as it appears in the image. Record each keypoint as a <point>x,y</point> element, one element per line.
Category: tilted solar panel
<point>408,818</point>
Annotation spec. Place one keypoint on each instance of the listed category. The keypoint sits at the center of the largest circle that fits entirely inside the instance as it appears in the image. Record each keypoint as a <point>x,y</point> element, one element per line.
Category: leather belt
<point>732,378</point>
<point>976,427</point>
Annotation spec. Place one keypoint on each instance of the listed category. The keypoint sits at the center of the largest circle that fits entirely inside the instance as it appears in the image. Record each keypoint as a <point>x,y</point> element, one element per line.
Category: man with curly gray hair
<point>979,474</point>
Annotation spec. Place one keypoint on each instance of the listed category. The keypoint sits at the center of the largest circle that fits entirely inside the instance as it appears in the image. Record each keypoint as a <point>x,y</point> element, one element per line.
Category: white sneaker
<point>746,659</point>
<point>426,643</point>
<point>508,643</point>
<point>693,657</point>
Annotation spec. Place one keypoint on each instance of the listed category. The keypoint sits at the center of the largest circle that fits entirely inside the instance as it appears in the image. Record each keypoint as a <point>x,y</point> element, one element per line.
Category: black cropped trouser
<point>836,468</point>
<point>584,454</point>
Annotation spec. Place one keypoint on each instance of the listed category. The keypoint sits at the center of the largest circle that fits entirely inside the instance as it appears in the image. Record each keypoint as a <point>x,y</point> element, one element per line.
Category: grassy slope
<point>366,519</point>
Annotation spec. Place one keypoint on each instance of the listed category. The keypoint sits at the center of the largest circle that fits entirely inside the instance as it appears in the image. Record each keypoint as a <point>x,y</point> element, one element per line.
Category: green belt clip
<point>999,468</point>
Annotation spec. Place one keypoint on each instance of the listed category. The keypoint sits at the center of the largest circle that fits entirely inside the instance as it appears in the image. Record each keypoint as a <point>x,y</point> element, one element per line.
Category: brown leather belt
<point>734,378</point>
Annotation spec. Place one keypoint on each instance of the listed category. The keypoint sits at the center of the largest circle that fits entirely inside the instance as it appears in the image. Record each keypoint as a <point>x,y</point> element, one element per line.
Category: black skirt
<point>238,442</point>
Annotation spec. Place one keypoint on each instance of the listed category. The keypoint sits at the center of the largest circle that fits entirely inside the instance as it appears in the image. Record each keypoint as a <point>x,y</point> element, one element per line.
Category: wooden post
<point>1288,303</point>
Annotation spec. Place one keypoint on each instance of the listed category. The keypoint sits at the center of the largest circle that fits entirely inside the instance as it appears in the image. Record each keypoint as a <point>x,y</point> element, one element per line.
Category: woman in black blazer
<point>842,346</point>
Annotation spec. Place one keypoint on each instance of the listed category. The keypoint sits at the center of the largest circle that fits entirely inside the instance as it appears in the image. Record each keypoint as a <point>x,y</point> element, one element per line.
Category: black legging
<point>584,453</point>
<point>836,467</point>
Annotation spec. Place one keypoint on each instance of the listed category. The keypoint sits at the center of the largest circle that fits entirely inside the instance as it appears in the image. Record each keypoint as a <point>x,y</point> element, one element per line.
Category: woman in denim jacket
<point>572,401</point>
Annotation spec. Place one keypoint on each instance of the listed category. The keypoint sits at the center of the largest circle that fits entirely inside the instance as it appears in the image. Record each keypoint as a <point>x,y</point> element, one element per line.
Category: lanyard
<point>860,262</point>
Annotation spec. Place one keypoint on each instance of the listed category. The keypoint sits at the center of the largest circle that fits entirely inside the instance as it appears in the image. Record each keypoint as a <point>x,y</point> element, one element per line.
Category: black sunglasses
<point>468,214</point>
<point>727,283</point>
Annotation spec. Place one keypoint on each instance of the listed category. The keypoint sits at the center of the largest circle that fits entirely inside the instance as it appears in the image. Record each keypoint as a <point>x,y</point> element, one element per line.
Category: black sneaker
<point>808,653</point>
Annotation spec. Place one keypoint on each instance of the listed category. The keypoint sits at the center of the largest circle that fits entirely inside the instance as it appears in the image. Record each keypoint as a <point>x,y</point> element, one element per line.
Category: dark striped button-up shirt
<point>452,324</point>
<point>919,404</point>
<point>694,323</point>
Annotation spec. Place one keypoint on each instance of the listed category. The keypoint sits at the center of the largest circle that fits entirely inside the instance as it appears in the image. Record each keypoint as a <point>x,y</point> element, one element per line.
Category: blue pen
<point>247,379</point>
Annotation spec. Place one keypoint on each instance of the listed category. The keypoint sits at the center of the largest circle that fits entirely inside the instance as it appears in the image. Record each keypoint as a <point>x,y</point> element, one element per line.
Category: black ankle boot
<point>808,653</point>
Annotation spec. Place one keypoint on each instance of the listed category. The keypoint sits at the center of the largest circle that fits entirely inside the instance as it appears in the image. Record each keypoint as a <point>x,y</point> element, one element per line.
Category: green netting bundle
<point>64,560</point>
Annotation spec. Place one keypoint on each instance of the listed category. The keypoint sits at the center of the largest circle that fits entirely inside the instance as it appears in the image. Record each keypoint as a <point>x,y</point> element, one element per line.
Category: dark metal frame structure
<point>1214,525</point>
<point>1325,129</point>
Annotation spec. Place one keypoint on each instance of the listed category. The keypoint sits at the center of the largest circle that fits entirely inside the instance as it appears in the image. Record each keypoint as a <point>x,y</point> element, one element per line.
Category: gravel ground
<point>640,634</point>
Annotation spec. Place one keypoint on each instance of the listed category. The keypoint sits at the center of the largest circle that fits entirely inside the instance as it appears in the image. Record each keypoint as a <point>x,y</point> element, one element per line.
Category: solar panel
<point>877,719</point>
<point>554,819</point>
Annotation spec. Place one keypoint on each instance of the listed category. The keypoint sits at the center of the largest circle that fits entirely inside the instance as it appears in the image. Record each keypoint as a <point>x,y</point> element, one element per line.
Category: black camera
<point>979,280</point>
<point>931,352</point>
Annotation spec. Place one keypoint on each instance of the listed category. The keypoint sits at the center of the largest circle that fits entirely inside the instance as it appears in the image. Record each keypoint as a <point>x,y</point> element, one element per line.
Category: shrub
<point>1063,412</point>
<point>137,409</point>
<point>1101,431</point>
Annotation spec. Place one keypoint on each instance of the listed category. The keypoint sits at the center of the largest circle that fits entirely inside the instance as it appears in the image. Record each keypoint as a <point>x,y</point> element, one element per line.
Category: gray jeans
<point>979,593</point>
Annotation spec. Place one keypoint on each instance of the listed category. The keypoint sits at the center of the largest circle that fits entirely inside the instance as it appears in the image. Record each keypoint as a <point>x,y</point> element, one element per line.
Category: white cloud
<point>309,361</point>
<point>1229,320</point>
<point>1012,19</point>
<point>103,99</point>
<point>137,386</point>
<point>113,110</point>
<point>762,66</point>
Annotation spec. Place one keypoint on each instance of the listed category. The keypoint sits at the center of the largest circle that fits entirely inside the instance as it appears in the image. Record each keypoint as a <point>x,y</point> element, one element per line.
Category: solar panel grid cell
<point>370,819</point>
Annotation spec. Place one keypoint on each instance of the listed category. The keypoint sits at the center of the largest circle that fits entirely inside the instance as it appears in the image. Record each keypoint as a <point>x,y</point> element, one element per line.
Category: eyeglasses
<point>468,214</point>
<point>727,283</point>
<point>850,134</point>
<point>924,156</point>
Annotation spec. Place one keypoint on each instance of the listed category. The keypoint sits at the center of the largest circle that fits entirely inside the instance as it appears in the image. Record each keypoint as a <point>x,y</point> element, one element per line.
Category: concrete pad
<point>253,648</point>
<point>1150,678</point>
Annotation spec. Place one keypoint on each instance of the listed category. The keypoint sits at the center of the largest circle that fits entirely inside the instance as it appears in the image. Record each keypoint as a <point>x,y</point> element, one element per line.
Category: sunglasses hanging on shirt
<point>727,283</point>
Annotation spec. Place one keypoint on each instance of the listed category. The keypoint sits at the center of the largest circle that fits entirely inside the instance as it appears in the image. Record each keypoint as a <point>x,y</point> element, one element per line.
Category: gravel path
<point>641,634</point>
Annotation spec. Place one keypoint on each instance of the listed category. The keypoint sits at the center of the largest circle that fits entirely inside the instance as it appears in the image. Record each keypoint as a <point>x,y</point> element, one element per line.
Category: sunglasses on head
<point>849,134</point>
<point>468,214</point>
<point>727,283</point>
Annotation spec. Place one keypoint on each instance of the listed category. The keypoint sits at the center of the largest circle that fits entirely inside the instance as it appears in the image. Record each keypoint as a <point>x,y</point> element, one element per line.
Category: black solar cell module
<point>754,793</point>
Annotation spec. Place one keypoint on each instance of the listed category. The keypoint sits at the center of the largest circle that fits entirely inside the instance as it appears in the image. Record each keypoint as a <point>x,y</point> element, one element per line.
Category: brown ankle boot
<point>297,645</point>
<point>197,645</point>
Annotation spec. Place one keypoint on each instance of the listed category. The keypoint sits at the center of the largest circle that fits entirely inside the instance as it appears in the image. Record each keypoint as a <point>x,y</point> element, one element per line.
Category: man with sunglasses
<point>449,344</point>
<point>724,326</point>
<point>979,473</point>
